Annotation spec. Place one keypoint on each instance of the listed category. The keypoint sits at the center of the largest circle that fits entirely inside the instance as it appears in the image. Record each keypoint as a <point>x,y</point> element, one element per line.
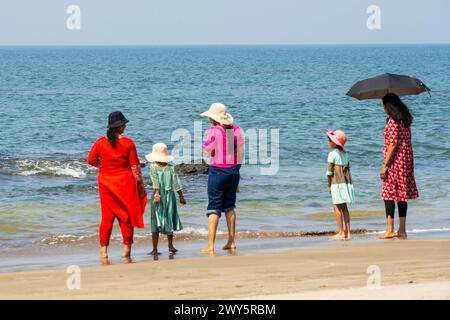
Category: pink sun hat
<point>338,137</point>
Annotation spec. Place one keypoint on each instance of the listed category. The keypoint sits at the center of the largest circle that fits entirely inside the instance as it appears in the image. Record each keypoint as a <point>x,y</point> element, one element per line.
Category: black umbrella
<point>378,87</point>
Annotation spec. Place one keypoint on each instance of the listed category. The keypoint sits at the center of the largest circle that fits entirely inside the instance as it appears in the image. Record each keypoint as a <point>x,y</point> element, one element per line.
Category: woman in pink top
<point>225,145</point>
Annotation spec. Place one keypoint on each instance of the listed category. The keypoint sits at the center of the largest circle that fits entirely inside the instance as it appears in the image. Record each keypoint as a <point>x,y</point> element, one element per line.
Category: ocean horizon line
<point>230,45</point>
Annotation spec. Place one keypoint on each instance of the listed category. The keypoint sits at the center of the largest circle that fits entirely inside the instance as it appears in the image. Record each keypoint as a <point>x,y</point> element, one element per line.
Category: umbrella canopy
<point>378,87</point>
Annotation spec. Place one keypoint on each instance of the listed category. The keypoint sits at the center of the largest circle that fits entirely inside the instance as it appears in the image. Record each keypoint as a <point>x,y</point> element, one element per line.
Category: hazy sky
<point>43,22</point>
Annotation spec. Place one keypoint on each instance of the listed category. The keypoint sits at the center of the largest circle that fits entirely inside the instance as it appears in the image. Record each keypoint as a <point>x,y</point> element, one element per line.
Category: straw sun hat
<point>218,112</point>
<point>159,154</point>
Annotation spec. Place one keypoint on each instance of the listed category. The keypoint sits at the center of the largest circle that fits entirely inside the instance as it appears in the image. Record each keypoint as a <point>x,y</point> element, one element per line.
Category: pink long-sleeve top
<point>226,146</point>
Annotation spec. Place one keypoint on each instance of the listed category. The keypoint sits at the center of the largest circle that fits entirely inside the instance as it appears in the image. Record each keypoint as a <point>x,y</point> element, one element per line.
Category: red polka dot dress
<point>399,184</point>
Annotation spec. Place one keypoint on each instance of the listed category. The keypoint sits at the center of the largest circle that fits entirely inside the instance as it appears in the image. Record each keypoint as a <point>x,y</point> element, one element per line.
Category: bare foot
<point>127,260</point>
<point>387,235</point>
<point>348,236</point>
<point>126,251</point>
<point>172,250</point>
<point>402,235</point>
<point>208,249</point>
<point>229,246</point>
<point>105,261</point>
<point>154,252</point>
<point>338,236</point>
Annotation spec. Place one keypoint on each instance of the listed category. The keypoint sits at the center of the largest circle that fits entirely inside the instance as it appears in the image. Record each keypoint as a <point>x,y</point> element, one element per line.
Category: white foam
<point>67,171</point>
<point>429,230</point>
<point>64,238</point>
<point>199,231</point>
<point>445,229</point>
<point>29,173</point>
<point>72,168</point>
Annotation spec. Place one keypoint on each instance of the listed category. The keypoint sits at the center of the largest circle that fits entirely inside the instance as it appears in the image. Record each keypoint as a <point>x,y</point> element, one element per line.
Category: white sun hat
<point>159,154</point>
<point>218,112</point>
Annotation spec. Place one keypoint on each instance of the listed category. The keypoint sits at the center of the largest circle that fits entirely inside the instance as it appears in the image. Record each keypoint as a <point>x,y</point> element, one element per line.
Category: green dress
<point>164,215</point>
<point>341,179</point>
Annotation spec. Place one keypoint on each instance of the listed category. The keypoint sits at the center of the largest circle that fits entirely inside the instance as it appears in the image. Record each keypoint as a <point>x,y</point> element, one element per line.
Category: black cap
<point>116,119</point>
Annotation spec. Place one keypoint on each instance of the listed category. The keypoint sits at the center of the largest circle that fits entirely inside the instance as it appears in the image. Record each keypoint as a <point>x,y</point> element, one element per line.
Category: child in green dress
<point>164,212</point>
<point>340,184</point>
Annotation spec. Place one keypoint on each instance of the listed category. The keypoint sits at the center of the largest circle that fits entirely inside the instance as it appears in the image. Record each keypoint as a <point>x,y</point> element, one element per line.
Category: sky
<point>221,22</point>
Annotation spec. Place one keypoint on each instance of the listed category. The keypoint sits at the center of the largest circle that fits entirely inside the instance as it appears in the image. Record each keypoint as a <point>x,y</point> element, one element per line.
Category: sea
<point>54,104</point>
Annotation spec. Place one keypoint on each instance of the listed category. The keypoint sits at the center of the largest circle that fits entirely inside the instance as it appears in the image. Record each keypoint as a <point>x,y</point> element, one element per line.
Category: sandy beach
<point>413,269</point>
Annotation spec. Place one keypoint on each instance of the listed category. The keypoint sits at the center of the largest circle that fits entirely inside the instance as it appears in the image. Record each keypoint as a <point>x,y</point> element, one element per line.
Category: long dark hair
<point>112,135</point>
<point>116,126</point>
<point>397,110</point>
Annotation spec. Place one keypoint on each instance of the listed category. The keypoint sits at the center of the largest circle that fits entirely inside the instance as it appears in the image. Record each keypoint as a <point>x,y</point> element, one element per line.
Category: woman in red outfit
<point>122,191</point>
<point>397,171</point>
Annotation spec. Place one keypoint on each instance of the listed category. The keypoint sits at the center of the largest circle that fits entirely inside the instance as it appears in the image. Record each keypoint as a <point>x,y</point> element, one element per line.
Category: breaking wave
<point>191,234</point>
<point>52,168</point>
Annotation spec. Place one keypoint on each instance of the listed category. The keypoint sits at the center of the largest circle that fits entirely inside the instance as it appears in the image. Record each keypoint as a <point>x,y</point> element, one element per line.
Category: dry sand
<point>409,270</point>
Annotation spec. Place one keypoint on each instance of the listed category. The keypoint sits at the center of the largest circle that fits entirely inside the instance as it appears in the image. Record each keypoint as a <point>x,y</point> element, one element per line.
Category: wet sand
<point>45,257</point>
<point>413,269</point>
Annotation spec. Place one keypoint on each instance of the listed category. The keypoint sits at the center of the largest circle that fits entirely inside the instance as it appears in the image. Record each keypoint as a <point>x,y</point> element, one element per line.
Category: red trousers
<point>106,227</point>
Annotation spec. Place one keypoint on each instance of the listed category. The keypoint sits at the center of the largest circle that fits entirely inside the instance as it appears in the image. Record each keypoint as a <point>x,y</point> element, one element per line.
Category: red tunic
<point>399,184</point>
<point>117,183</point>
